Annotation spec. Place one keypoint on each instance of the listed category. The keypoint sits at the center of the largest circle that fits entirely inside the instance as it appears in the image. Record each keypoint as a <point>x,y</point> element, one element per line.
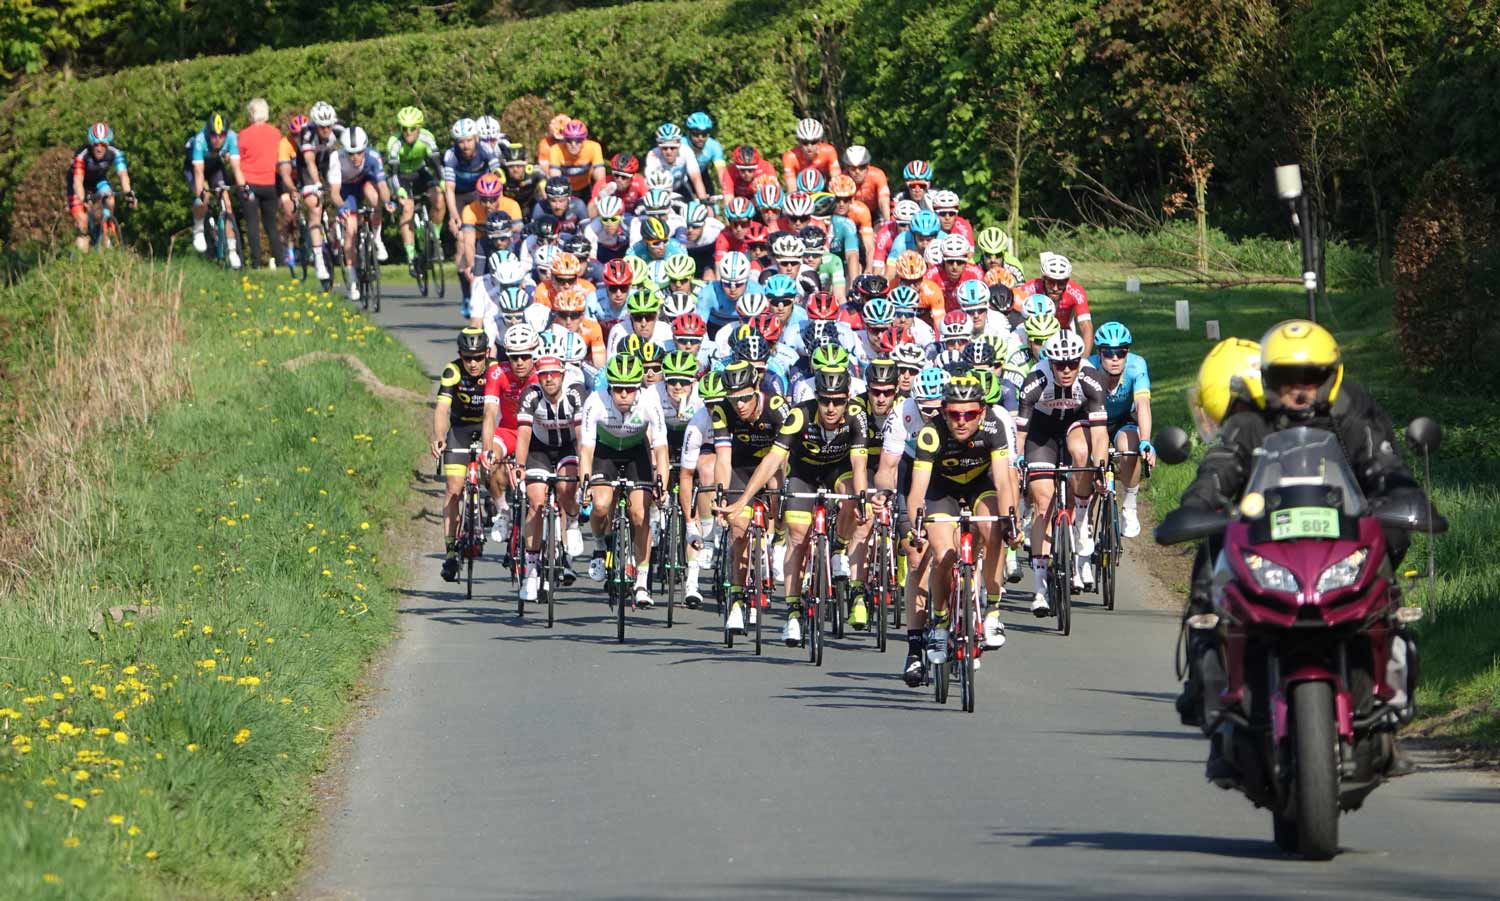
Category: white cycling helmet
<point>609,207</point>
<point>465,128</point>
<point>798,203</point>
<point>657,201</point>
<point>574,349</point>
<point>809,130</point>
<point>933,255</point>
<point>512,301</point>
<point>944,200</point>
<point>735,267</point>
<point>521,340</point>
<point>355,140</point>
<point>857,155</point>
<point>906,210</point>
<point>542,259</point>
<point>676,303</point>
<point>956,247</point>
<point>1056,267</point>
<point>787,247</point>
<point>1038,305</point>
<point>511,271</point>
<point>1065,345</point>
<point>909,353</point>
<point>955,327</point>
<point>322,113</point>
<point>752,305</point>
<point>659,180</point>
<point>488,128</point>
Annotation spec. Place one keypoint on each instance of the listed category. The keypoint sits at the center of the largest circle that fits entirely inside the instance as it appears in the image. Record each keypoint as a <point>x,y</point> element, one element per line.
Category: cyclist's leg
<point>798,515</point>
<point>536,499</point>
<point>1041,457</point>
<point>1083,495</point>
<point>408,209</point>
<point>942,535</point>
<point>1127,438</point>
<point>349,212</point>
<point>988,533</point>
<point>80,213</point>
<point>312,201</point>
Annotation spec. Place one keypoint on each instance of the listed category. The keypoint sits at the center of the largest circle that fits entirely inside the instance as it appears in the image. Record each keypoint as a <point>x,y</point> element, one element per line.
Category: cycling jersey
<point>322,149</point>
<point>1074,303</point>
<point>605,247</point>
<point>526,189</point>
<point>464,172</point>
<point>743,185</point>
<point>342,171</point>
<point>463,394</point>
<point>641,250</point>
<point>570,220</point>
<point>95,171</point>
<point>901,428</point>
<point>699,429</point>
<point>1135,381</point>
<point>710,155</point>
<point>408,159</point>
<point>822,157</point>
<point>602,311</point>
<point>474,212</point>
<point>872,188</point>
<point>199,151</point>
<point>552,421</point>
<point>640,426</point>
<point>907,240</point>
<point>676,415</point>
<point>503,388</point>
<point>958,467</point>
<point>1042,396</point>
<point>843,236</point>
<point>950,286</point>
<point>681,171</point>
<point>749,440</point>
<point>577,168</point>
<point>717,308</point>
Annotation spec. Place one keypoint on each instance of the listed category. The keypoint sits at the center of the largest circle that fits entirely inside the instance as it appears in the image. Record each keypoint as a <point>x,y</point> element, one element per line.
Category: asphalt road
<point>508,760</point>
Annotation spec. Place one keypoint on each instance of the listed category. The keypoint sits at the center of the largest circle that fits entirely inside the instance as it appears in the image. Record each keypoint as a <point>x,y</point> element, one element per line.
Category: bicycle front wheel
<point>1062,575</point>
<point>617,574</point>
<point>966,625</point>
<point>372,254</point>
<point>1109,550</point>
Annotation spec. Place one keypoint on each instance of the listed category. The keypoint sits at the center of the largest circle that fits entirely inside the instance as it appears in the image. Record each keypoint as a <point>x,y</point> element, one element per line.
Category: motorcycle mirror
<point>1186,524</point>
<point>1412,514</point>
<point>1173,445</point>
<point>1424,435</point>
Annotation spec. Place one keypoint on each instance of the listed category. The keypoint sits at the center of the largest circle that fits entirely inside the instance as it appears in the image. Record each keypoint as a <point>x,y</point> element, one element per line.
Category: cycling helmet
<point>711,387</point>
<point>557,186</point>
<point>463,128</point>
<point>910,266</point>
<point>798,204</point>
<point>1056,267</point>
<point>980,354</point>
<point>1041,327</point>
<point>992,385</point>
<point>933,255</point>
<point>625,371</point>
<point>676,304</point>
<point>917,170</point>
<point>643,302</point>
<point>1230,372</point>
<point>216,125</point>
<point>550,364</point>
<point>895,338</point>
<point>573,347</point>
<point>871,286</point>
<point>996,343</point>
<point>659,180</point>
<point>879,311</point>
<point>907,353</point>
<point>680,364</point>
<point>831,383</point>
<point>680,266</point>
<point>1002,297</point>
<point>944,201</point>
<point>473,342</point>
<point>566,265</point>
<point>952,361</point>
<point>297,123</point>
<point>751,305</point>
<point>925,223</point>
<point>645,351</point>
<point>640,273</point>
<point>689,325</point>
<point>973,294</point>
<point>832,357</point>
<point>100,133</point>
<point>1064,346</point>
<point>744,156</point>
<point>510,271</point>
<point>820,332</point>
<point>735,267</point>
<point>697,215</point>
<point>488,128</point>
<point>842,187</point>
<point>857,155</point>
<point>956,247</point>
<point>809,130</point>
<point>739,375</point>
<point>322,113</point>
<point>512,301</point>
<point>521,340</point>
<point>738,208</point>
<point>814,240</point>
<point>410,117</point>
<point>575,130</point>
<point>904,300</point>
<point>779,286</point>
<point>993,242</point>
<point>767,326</point>
<point>571,299</point>
<point>609,207</point>
<point>355,140</point>
<point>880,372</point>
<point>578,246</point>
<point>699,122</point>
<point>956,325</point>
<point>512,154</point>
<point>617,274</point>
<point>905,210</point>
<point>489,186</point>
<point>668,134</point>
<point>752,348</point>
<point>1037,304</point>
<point>930,383</point>
<point>768,197</point>
<point>1112,334</point>
<point>627,163</point>
<point>822,306</point>
<point>653,229</point>
<point>787,247</point>
<point>756,233</point>
<point>810,181</point>
<point>963,390</point>
<point>545,227</point>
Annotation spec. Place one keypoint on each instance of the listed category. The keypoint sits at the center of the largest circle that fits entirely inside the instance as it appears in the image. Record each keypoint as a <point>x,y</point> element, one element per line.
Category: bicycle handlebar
<point>550,479</point>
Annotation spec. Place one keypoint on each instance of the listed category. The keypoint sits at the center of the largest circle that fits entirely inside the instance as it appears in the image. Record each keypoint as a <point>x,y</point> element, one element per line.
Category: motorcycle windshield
<point>1306,457</point>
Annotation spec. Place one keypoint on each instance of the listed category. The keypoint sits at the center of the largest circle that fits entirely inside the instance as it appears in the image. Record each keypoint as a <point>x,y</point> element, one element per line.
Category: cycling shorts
<point>1046,441</point>
<point>456,456</point>
<point>633,464</point>
<point>550,459</point>
<point>1130,429</point>
<point>975,493</point>
<point>799,509</point>
<point>354,195</point>
<point>213,179</point>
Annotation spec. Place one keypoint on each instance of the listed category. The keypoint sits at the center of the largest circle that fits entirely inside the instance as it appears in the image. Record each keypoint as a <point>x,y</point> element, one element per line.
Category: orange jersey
<point>873,189</point>
<point>578,168</point>
<point>822,157</point>
<point>859,214</point>
<point>930,298</point>
<point>475,213</point>
<point>548,290</point>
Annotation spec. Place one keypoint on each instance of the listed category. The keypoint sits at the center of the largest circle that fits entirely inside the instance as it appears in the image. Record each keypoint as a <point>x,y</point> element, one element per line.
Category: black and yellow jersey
<point>464,394</point>
<point>811,448</point>
<point>955,464</point>
<point>750,440</point>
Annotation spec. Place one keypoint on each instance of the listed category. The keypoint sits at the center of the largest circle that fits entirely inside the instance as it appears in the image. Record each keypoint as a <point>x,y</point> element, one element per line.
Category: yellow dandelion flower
<point>312,549</point>
<point>242,736</point>
<point>71,842</point>
<point>119,714</point>
<point>131,670</point>
<point>192,748</point>
<point>67,680</point>
<point>52,879</point>
<point>116,819</point>
<point>60,796</point>
<point>152,855</point>
<point>78,803</point>
<point>208,630</point>
<point>248,680</point>
<point>133,831</point>
<point>121,738</point>
<point>81,776</point>
<point>364,525</point>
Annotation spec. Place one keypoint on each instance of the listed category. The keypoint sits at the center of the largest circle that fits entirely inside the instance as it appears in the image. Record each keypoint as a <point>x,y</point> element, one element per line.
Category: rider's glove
<point>1146,447</point>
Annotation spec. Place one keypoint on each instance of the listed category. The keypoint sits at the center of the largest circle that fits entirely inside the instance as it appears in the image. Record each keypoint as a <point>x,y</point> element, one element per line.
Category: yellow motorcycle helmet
<point>1299,352</point>
<point>1230,372</point>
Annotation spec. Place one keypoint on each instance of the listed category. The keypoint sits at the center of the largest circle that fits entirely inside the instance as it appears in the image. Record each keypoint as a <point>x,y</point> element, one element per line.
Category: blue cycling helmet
<point>669,133</point>
<point>1112,334</point>
<point>699,122</point>
<point>973,294</point>
<point>780,286</point>
<point>905,299</point>
<point>1038,305</point>
<point>821,333</point>
<point>753,348</point>
<point>925,224</point>
<point>879,311</point>
<point>930,384</point>
<point>954,362</point>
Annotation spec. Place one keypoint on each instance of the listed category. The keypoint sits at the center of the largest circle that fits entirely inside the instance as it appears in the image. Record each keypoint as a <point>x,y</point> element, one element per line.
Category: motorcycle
<point>1317,666</point>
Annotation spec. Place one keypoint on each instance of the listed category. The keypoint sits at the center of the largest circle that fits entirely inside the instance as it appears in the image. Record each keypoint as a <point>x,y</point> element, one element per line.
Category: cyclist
<point>956,269</point>
<point>707,149</point>
<point>642,311</point>
<point>457,422</point>
<point>827,269</point>
<point>207,150</point>
<point>560,203</point>
<point>1021,357</point>
<point>483,214</point>
<point>491,138</point>
<point>1072,301</point>
<point>89,174</point>
<point>871,187</point>
<point>288,187</point>
<point>317,141</point>
<point>547,417</point>
<point>718,302</point>
<point>851,228</point>
<point>925,231</point>
<point>415,171</point>
<point>656,242</point>
<point>810,152</point>
<point>525,183</point>
<point>911,272</point>
<point>623,436</point>
<point>995,248</point>
<point>607,306</point>
<point>463,164</point>
<point>680,405</point>
<point>624,183</point>
<point>698,468</point>
<point>606,233</point>
<point>1060,416</point>
<point>1127,400</point>
<point>552,138</point>
<point>667,157</point>
<point>917,176</point>
<point>577,159</point>
<point>945,205</point>
<point>355,175</point>
<point>888,232</point>
<point>746,172</point>
<point>569,314</point>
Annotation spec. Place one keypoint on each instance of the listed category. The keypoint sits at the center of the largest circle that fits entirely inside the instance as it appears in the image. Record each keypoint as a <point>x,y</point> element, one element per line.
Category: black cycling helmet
<point>473,342</point>
<point>1001,297</point>
<point>880,373</point>
<point>739,375</point>
<point>753,348</point>
<point>964,389</point>
<point>557,186</point>
<point>497,225</point>
<point>578,246</point>
<point>544,226</point>
<point>980,353</point>
<point>831,383</point>
<point>872,286</point>
<point>823,205</point>
<point>512,153</point>
<point>813,238</point>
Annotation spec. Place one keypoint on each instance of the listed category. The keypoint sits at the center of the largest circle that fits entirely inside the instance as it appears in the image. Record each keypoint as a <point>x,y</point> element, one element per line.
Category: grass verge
<point>1460,639</point>
<point>239,535</point>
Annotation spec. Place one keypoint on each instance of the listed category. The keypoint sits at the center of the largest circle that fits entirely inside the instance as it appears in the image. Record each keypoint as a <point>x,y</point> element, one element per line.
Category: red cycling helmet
<point>624,164</point>
<point>689,325</point>
<point>822,305</point>
<point>767,326</point>
<point>738,208</point>
<point>746,156</point>
<point>757,233</point>
<point>297,123</point>
<point>489,186</point>
<point>617,274</point>
<point>894,336</point>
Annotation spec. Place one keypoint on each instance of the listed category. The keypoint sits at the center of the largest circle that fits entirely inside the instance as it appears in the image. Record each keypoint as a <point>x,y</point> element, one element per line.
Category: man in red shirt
<point>1072,301</point>
<point>624,182</point>
<point>888,232</point>
<point>260,142</point>
<point>956,269</point>
<point>811,151</point>
<point>738,213</point>
<point>945,205</point>
<point>746,168</point>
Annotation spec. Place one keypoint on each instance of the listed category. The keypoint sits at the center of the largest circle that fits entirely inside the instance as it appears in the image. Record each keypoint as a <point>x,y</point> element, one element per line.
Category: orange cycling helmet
<point>911,266</point>
<point>842,186</point>
<point>566,265</point>
<point>489,186</point>
<point>570,299</point>
<point>999,275</point>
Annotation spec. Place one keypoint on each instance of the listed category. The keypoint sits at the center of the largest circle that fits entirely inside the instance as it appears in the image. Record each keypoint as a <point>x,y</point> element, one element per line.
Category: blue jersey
<point>198,150</point>
<point>711,154</point>
<point>464,173</point>
<point>674,247</point>
<point>715,306</point>
<point>1119,404</point>
<point>842,236</point>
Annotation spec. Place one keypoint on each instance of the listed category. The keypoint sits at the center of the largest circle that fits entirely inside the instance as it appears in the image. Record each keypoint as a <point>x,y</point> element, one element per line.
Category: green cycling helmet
<point>991,386</point>
<point>711,387</point>
<point>992,242</point>
<point>643,302</point>
<point>830,357</point>
<point>1041,327</point>
<point>625,370</point>
<point>680,266</point>
<point>680,364</point>
<point>410,117</point>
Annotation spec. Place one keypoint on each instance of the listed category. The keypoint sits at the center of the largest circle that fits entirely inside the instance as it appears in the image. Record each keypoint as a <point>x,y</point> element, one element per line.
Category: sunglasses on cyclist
<point>684,340</point>
<point>474,358</point>
<point>739,223</point>
<point>1114,353</point>
<point>489,201</point>
<point>902,225</point>
<point>654,242</point>
<point>679,381</point>
<point>833,401</point>
<point>963,415</point>
<point>624,389</point>
<point>882,392</point>
<point>610,220</point>
<point>742,398</point>
<point>642,317</point>
<point>908,370</point>
<point>796,219</point>
<point>794,262</point>
<point>808,143</point>
<point>1066,365</point>
<point>572,140</point>
<point>780,301</point>
<point>947,212</point>
<point>617,289</point>
<point>567,317</point>
<point>565,280</point>
<point>651,368</point>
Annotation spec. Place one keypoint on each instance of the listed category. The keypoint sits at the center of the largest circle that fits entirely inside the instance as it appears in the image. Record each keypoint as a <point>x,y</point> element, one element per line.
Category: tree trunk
<point>1013,222</point>
<point>1200,213</point>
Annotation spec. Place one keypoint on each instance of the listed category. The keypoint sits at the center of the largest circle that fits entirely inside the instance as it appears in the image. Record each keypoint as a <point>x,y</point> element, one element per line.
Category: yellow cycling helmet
<point>1299,352</point>
<point>1230,372</point>
<point>639,275</point>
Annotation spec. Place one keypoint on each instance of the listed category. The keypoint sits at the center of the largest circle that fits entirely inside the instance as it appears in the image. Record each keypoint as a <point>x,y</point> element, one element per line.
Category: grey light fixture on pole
<point>1289,188</point>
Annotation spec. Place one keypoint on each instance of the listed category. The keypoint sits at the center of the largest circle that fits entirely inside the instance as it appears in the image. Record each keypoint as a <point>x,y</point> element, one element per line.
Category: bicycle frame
<point>470,538</point>
<point>820,601</point>
<point>618,581</point>
<point>549,560</point>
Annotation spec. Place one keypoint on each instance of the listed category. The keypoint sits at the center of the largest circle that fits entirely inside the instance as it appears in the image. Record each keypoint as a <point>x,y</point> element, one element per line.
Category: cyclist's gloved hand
<point>1147,448</point>
<point>390,206</point>
<point>1021,461</point>
<point>246,193</point>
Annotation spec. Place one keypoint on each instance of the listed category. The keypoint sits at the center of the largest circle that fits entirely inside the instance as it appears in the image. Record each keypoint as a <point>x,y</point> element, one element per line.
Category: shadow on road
<point>1219,846</point>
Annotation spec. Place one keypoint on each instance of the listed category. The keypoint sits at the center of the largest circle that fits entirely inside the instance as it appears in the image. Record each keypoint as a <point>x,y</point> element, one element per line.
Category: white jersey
<point>603,423</point>
<point>921,331</point>
<point>901,429</point>
<point>676,414</point>
<point>699,429</point>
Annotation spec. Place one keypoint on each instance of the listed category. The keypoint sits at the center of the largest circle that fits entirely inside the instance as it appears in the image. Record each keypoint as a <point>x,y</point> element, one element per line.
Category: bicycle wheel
<point>1108,536</point>
<point>880,594</point>
<point>471,527</point>
<point>813,612</point>
<point>940,676</point>
<point>424,252</point>
<point>372,254</point>
<point>617,575</point>
<point>1062,574</point>
<point>672,570</point>
<point>550,569</point>
<point>756,576</point>
<point>436,258</point>
<point>967,641</point>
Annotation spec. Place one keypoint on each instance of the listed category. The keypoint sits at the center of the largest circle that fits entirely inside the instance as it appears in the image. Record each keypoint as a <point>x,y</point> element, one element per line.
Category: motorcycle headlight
<point>1343,573</point>
<point>1271,576</point>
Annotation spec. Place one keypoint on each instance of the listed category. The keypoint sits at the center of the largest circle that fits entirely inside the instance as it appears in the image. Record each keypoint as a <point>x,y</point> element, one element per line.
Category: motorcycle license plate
<point>1304,522</point>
